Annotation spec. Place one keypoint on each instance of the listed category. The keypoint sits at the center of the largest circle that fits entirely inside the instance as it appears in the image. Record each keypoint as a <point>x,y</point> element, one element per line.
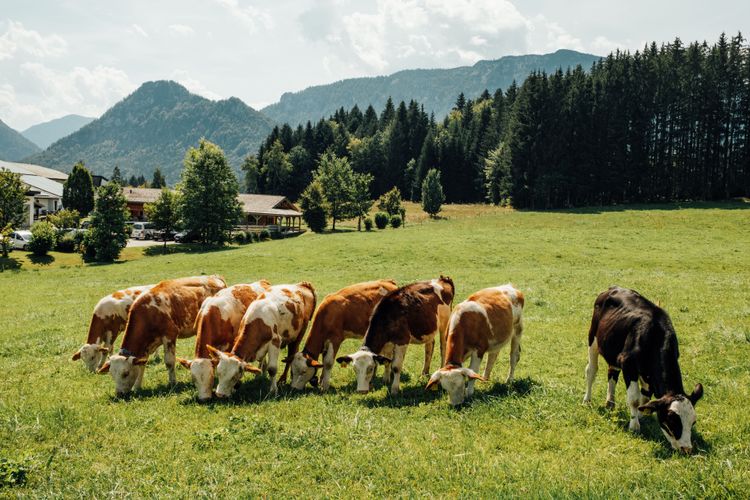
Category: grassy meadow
<point>533,438</point>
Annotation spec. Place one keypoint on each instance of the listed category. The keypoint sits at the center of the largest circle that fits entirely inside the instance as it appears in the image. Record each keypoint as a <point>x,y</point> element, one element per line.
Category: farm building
<point>259,211</point>
<point>44,188</point>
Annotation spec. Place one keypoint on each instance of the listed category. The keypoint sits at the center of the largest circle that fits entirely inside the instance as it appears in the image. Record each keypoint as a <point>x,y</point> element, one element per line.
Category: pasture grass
<point>532,438</point>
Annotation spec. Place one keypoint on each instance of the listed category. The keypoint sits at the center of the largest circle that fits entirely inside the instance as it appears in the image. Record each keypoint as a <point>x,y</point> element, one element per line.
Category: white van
<point>20,239</point>
<point>142,231</point>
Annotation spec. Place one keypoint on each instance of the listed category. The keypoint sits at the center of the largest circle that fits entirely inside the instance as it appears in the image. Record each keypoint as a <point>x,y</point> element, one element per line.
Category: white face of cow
<point>302,372</point>
<point>124,371</point>
<point>229,373</point>
<point>676,415</point>
<point>92,356</point>
<point>202,371</point>
<point>453,380</point>
<point>364,363</point>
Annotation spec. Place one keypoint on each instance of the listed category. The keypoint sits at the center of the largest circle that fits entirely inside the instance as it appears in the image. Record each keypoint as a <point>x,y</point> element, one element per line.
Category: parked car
<point>142,231</point>
<point>20,239</point>
<point>185,237</point>
<point>162,235</point>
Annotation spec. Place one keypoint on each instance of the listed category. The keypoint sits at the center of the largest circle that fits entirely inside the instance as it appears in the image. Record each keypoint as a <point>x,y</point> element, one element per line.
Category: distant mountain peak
<point>46,133</point>
<point>13,145</point>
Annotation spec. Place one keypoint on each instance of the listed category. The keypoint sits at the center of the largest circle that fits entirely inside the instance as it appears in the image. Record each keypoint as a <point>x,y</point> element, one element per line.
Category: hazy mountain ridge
<point>435,88</point>
<point>154,126</point>
<point>46,133</point>
<point>13,145</point>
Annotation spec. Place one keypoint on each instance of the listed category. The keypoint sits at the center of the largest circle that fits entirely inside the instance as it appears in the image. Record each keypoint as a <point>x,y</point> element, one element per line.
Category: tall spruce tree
<point>78,190</point>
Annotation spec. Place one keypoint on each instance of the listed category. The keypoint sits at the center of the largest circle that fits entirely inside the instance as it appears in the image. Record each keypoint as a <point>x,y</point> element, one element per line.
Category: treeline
<point>666,123</point>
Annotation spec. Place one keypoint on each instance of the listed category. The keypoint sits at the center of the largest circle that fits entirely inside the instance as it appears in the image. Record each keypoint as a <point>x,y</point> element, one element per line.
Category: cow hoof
<point>586,401</point>
<point>610,405</point>
<point>634,426</point>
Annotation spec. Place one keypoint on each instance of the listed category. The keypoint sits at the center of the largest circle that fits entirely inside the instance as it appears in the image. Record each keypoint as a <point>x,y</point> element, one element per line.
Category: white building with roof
<point>44,188</point>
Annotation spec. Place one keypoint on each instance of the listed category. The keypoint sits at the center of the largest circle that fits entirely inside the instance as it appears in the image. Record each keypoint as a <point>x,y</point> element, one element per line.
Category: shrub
<point>314,207</point>
<point>432,193</point>
<point>78,237</point>
<point>255,236</point>
<point>368,224</point>
<point>264,235</point>
<point>390,202</point>
<point>239,238</point>
<point>66,243</point>
<point>250,237</point>
<point>277,235</point>
<point>395,221</point>
<point>44,237</point>
<point>109,232</point>
<point>381,220</point>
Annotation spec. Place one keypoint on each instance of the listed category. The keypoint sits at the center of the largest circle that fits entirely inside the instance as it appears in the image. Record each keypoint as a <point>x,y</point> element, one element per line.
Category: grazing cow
<point>109,319</point>
<point>341,315</point>
<point>276,319</point>
<point>158,317</point>
<point>483,323</point>
<point>216,324</point>
<point>412,314</point>
<point>636,337</point>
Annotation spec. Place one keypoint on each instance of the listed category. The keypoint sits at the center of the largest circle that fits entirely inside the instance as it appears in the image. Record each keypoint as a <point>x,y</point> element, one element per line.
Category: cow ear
<point>468,372</point>
<point>697,394</point>
<point>77,355</point>
<point>382,359</point>
<point>214,352</point>
<point>140,361</point>
<point>432,384</point>
<point>652,406</point>
<point>104,369</point>
<point>344,360</point>
<point>251,368</point>
<point>314,363</point>
<point>184,362</point>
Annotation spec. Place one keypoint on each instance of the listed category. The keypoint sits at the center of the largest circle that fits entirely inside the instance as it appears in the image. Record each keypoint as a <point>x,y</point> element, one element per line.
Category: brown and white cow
<point>278,318</point>
<point>216,325</point>
<point>109,319</point>
<point>636,337</point>
<point>158,317</point>
<point>484,323</point>
<point>413,314</point>
<point>342,315</point>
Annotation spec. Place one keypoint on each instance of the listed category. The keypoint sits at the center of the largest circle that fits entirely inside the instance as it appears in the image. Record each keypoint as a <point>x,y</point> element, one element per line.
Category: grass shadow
<point>157,250</point>
<point>41,260</point>
<point>10,264</point>
<point>734,204</point>
<point>250,391</point>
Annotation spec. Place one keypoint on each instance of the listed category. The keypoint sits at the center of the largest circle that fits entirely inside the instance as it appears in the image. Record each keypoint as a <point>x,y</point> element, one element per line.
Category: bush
<point>66,243</point>
<point>250,237</point>
<point>277,235</point>
<point>44,237</point>
<point>368,224</point>
<point>314,207</point>
<point>78,237</point>
<point>264,235</point>
<point>381,220</point>
<point>390,202</point>
<point>395,221</point>
<point>239,238</point>
<point>255,236</point>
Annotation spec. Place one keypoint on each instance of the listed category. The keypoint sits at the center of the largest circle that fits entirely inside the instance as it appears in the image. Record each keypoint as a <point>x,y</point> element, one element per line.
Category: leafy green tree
<point>276,169</point>
<point>251,168</point>
<point>117,176</point>
<point>361,201</point>
<point>337,180</point>
<point>209,205</point>
<point>314,207</point>
<point>12,199</point>
<point>43,238</point>
<point>109,233</point>
<point>158,180</point>
<point>164,213</point>
<point>390,202</point>
<point>498,176</point>
<point>65,218</point>
<point>78,190</point>
<point>432,193</point>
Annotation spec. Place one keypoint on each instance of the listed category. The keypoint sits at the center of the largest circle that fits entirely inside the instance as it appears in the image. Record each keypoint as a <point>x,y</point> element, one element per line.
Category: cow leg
<point>645,392</point>
<point>273,367</point>
<point>139,380</point>
<point>388,353</point>
<point>491,358</point>
<point>515,355</point>
<point>591,368</point>
<point>329,357</point>
<point>170,359</point>
<point>429,347</point>
<point>634,400</point>
<point>613,374</point>
<point>399,352</point>
<point>264,366</point>
<point>291,350</point>
<point>476,362</point>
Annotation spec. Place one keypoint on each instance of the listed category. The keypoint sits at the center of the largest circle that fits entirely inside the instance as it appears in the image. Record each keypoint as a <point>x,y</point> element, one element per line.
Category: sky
<point>82,56</point>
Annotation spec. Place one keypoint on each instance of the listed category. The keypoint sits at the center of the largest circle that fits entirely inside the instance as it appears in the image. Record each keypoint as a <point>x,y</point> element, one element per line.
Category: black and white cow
<point>636,337</point>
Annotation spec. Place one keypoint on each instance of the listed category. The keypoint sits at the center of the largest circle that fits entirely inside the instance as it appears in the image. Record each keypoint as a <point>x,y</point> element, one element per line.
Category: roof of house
<point>141,195</point>
<point>267,204</point>
<point>46,187</point>
<point>29,169</point>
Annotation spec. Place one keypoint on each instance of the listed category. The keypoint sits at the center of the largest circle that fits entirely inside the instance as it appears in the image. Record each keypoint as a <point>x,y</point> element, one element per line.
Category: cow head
<point>92,355</point>
<point>364,362</point>
<point>202,372</point>
<point>676,415</point>
<point>453,379</point>
<point>303,369</point>
<point>124,370</point>
<point>229,371</point>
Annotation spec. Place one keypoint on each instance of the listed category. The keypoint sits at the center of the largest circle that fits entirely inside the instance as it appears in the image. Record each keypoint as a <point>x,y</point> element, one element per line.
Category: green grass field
<point>532,439</point>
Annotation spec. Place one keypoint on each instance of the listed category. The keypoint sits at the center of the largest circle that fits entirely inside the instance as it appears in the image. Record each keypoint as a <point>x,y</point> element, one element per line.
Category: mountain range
<point>44,134</point>
<point>154,126</point>
<point>14,146</point>
<point>436,89</point>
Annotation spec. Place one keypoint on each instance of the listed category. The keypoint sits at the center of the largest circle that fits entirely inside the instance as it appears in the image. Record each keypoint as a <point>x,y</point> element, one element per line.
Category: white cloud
<point>252,17</point>
<point>18,39</point>
<point>181,30</point>
<point>548,36</point>
<point>603,45</point>
<point>139,30</point>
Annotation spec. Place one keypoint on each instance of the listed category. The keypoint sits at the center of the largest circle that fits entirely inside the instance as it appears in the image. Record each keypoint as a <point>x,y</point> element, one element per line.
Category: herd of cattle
<point>238,325</point>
